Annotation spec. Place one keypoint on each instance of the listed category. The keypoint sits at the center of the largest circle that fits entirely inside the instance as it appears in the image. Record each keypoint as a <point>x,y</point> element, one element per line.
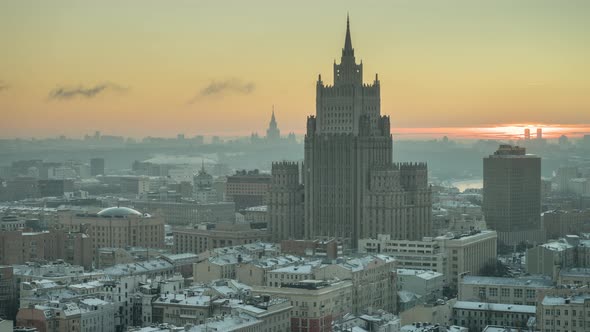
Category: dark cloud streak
<point>218,88</point>
<point>63,93</point>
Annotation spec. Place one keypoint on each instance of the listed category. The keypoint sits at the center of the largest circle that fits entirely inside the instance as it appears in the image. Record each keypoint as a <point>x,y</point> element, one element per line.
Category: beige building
<point>440,313</point>
<point>424,283</point>
<point>420,255</point>
<point>452,255</point>
<point>315,304</point>
<point>574,276</point>
<point>548,258</point>
<point>295,273</point>
<point>477,315</point>
<point>373,281</point>
<point>275,313</point>
<point>229,323</point>
<point>256,272</point>
<point>521,291</point>
<point>182,308</point>
<point>18,247</point>
<point>106,257</point>
<point>468,253</point>
<point>560,223</point>
<point>89,314</point>
<point>247,188</point>
<point>218,267</point>
<point>117,227</point>
<point>565,253</point>
<point>210,236</point>
<point>560,314</point>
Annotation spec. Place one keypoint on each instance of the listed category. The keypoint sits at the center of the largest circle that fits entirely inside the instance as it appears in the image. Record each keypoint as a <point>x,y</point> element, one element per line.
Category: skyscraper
<point>273,133</point>
<point>96,166</point>
<point>285,202</point>
<point>512,195</point>
<point>352,188</point>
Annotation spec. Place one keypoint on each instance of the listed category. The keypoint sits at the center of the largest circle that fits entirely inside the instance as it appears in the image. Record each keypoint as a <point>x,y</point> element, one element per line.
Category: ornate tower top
<point>347,71</point>
<point>273,132</point>
<point>273,121</point>
<point>348,50</point>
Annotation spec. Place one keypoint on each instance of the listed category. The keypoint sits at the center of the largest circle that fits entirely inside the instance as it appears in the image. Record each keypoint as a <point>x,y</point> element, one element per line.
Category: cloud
<point>218,88</point>
<point>63,92</point>
<point>3,85</point>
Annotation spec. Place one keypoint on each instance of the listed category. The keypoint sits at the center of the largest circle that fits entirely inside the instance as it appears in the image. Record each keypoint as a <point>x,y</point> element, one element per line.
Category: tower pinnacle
<point>348,50</point>
<point>273,132</point>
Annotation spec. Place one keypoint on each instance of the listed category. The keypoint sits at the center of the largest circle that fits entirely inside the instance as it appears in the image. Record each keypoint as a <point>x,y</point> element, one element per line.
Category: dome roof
<point>118,212</point>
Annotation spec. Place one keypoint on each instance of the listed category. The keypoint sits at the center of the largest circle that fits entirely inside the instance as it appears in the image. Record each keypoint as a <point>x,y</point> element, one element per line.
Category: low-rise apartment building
<point>520,291</point>
<point>477,315</point>
<point>560,314</point>
<point>315,304</point>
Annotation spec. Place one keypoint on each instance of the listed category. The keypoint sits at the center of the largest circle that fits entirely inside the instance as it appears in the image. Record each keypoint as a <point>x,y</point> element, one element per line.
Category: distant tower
<point>203,186</point>
<point>273,133</point>
<point>563,140</point>
<point>527,134</point>
<point>539,133</point>
<point>512,195</point>
<point>285,205</point>
<point>96,166</point>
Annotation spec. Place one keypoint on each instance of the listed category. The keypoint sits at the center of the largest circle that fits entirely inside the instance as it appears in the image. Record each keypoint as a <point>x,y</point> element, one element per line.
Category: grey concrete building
<point>352,188</point>
<point>512,195</point>
<point>285,203</point>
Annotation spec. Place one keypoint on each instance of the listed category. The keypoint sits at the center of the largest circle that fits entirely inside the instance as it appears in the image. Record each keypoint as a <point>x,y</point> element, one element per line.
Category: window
<point>493,292</point>
<point>505,291</point>
<point>530,293</point>
<point>518,293</point>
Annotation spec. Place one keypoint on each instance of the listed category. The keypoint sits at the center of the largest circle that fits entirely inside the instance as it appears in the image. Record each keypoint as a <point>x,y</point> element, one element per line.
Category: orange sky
<point>143,67</point>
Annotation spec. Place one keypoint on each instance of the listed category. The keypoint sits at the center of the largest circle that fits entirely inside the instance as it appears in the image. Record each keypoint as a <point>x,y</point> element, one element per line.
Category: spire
<point>272,119</point>
<point>348,50</point>
<point>202,165</point>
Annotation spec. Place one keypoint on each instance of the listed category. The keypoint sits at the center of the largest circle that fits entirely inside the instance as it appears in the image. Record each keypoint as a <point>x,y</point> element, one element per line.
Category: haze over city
<point>382,166</point>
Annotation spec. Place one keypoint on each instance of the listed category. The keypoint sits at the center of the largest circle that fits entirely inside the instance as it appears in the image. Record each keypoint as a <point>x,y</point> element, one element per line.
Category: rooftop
<point>359,264</point>
<point>466,236</point>
<point>227,323</point>
<point>423,274</point>
<point>559,300</point>
<point>467,305</point>
<point>261,208</point>
<point>575,272</point>
<point>118,212</point>
<point>138,268</point>
<point>183,299</point>
<point>533,281</point>
<point>299,269</point>
<point>230,259</point>
<point>559,245</point>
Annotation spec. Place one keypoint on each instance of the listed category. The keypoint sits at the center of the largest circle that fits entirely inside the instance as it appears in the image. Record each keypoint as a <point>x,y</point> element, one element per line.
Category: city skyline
<point>451,68</point>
